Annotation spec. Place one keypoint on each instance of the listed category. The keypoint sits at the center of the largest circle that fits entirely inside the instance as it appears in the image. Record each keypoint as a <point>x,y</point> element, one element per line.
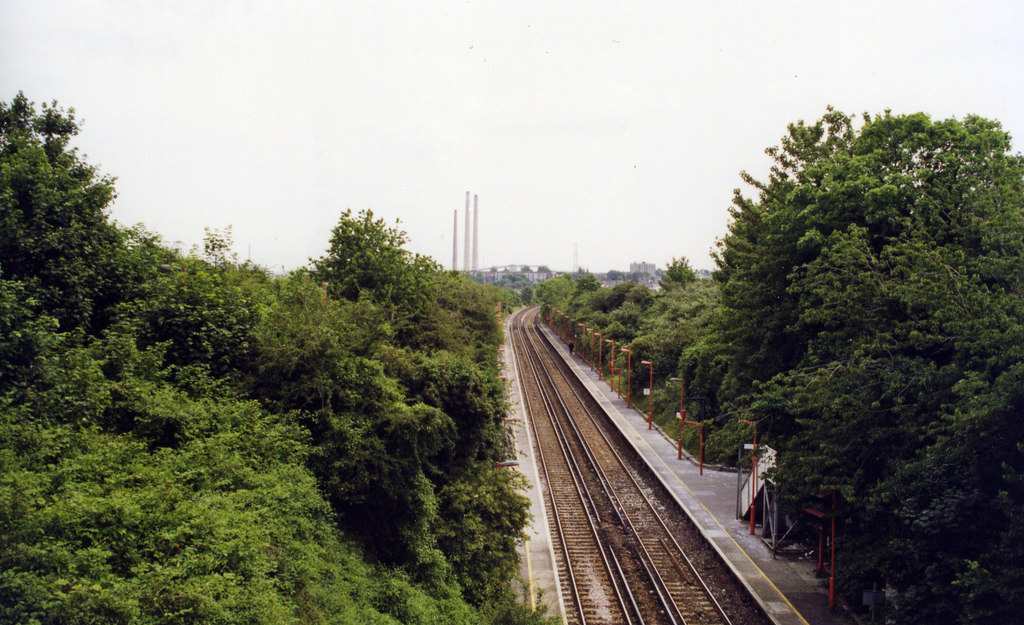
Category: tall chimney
<point>476,234</point>
<point>465,248</point>
<point>455,241</point>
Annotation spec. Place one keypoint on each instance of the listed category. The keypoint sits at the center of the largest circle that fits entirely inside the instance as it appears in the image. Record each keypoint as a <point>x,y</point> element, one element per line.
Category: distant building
<point>522,272</point>
<point>644,268</point>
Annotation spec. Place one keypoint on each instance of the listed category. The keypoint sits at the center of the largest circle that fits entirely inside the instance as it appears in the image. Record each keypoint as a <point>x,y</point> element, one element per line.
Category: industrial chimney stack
<point>476,234</point>
<point>471,246</point>
<point>455,241</point>
<point>468,243</point>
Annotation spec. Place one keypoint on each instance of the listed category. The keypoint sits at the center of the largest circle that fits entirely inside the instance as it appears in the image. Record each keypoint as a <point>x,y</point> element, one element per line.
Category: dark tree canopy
<point>872,305</point>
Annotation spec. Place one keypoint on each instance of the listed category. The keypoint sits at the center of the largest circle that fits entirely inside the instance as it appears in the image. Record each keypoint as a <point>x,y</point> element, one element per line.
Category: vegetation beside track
<point>867,313</point>
<point>185,438</point>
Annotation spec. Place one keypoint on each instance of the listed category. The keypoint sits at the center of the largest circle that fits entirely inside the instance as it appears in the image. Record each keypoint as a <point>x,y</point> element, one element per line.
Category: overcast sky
<point>617,129</point>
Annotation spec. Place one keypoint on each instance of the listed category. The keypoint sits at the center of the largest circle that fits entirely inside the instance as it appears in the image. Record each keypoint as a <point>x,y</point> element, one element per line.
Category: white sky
<point>617,127</point>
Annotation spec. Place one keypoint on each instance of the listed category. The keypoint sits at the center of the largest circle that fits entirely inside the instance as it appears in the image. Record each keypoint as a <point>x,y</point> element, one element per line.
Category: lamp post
<point>650,393</point>
<point>611,364</point>
<point>832,569</point>
<point>683,421</point>
<point>629,366</point>
<point>600,350</point>
<point>753,474</point>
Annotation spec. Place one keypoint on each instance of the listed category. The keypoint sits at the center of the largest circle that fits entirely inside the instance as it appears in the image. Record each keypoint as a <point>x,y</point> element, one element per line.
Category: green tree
<point>367,256</point>
<point>870,297</point>
<point>678,273</point>
<point>54,233</point>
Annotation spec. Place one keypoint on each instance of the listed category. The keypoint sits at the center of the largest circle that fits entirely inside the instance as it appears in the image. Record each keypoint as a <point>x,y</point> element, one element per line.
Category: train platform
<point>787,590</point>
<point>538,571</point>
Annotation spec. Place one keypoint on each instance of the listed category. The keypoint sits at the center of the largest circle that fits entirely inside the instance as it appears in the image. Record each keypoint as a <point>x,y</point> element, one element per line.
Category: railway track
<point>618,557</point>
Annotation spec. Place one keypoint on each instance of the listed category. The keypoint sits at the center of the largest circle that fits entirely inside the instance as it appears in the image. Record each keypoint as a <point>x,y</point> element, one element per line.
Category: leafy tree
<point>678,273</point>
<point>206,314</point>
<point>556,291</point>
<point>482,520</point>
<point>55,234</point>
<point>366,256</point>
<point>870,295</point>
<point>527,294</point>
<point>473,401</point>
<point>586,283</point>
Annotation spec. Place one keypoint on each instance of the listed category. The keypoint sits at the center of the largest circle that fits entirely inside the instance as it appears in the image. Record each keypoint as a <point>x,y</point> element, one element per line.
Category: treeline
<point>867,313</point>
<point>187,439</point>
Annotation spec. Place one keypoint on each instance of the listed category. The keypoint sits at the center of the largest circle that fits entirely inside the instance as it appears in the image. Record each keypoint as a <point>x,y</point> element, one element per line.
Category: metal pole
<point>629,365</point>
<point>702,447</point>
<point>832,573</point>
<point>611,364</point>
<point>650,393</point>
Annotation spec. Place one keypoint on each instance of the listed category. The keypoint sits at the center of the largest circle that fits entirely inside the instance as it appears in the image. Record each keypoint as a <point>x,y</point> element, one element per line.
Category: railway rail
<point>615,536</point>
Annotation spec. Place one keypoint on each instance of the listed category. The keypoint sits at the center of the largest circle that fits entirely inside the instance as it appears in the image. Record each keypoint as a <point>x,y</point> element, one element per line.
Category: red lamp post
<point>753,474</point>
<point>650,393</point>
<point>683,421</point>
<point>629,366</point>
<point>600,349</point>
<point>832,570</point>
<point>611,364</point>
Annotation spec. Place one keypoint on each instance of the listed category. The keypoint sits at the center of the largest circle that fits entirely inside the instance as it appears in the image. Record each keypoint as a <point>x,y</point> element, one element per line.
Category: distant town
<point>518,276</point>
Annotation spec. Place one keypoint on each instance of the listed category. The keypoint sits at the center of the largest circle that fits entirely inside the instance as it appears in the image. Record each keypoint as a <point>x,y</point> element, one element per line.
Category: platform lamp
<point>611,364</point>
<point>650,393</point>
<point>683,421</point>
<point>600,350</point>
<point>629,366</point>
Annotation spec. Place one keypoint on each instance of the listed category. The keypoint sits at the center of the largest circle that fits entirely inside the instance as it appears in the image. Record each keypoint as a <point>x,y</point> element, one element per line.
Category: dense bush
<point>184,439</point>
